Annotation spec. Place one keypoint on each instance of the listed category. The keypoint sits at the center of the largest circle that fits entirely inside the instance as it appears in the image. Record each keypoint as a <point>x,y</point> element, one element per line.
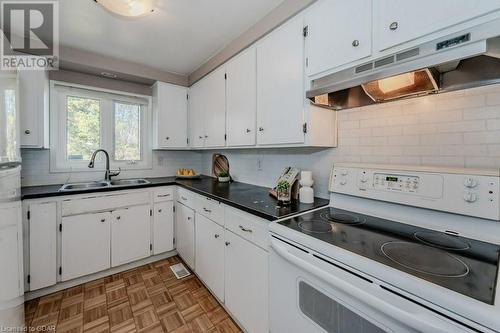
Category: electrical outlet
<point>259,164</point>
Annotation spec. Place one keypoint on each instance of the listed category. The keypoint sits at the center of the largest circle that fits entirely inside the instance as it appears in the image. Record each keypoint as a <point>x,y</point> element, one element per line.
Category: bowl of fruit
<point>186,174</point>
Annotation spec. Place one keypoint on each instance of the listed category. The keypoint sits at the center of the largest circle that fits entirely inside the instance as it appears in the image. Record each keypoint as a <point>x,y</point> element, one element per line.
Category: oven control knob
<point>470,182</point>
<point>470,197</point>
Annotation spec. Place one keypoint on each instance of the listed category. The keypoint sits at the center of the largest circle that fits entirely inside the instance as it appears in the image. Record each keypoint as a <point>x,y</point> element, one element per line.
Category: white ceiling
<point>179,37</point>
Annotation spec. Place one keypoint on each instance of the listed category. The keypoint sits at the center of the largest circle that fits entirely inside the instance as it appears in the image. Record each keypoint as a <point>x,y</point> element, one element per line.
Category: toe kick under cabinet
<point>69,237</point>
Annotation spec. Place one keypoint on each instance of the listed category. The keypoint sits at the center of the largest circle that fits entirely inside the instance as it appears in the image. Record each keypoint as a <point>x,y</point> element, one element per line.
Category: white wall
<point>460,129</point>
<point>35,167</point>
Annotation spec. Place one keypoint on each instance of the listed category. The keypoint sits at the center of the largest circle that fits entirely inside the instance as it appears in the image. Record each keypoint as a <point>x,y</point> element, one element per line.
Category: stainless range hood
<point>438,66</point>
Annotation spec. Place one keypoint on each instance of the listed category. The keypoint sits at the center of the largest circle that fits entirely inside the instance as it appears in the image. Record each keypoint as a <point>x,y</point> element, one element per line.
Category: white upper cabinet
<point>280,85</point>
<point>170,115</point>
<point>402,21</point>
<point>241,98</point>
<point>214,112</point>
<point>34,108</point>
<point>196,123</point>
<point>338,32</point>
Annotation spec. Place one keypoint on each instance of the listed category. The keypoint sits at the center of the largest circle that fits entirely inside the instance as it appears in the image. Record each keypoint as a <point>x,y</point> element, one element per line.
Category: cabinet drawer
<point>163,194</point>
<point>103,203</point>
<point>185,197</point>
<point>210,208</point>
<point>247,226</point>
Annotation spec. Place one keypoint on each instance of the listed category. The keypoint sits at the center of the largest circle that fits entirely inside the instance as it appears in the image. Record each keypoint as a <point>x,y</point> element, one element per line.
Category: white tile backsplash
<point>458,129</point>
<point>35,167</point>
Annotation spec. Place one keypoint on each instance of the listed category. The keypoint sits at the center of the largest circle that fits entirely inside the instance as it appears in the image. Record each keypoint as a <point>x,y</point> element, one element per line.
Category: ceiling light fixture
<point>129,8</point>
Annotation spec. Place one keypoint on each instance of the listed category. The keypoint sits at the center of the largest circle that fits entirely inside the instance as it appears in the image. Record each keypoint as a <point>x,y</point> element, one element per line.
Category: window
<point>84,120</point>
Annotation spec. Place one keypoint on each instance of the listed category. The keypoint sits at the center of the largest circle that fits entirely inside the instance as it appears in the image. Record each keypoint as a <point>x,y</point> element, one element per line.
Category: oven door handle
<point>418,321</point>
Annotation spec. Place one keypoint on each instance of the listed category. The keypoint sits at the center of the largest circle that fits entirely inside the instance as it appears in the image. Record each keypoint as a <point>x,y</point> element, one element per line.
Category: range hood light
<point>129,8</point>
<point>396,82</point>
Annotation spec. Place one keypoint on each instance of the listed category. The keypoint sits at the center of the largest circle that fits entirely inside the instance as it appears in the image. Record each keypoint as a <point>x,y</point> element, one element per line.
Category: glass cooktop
<point>463,265</point>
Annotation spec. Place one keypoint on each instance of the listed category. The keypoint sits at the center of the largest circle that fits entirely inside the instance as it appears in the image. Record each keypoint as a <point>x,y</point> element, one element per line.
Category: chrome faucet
<point>108,174</point>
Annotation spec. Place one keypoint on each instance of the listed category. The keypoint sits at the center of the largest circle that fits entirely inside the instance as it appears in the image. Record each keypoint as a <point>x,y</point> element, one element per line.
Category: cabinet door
<point>214,113</point>
<point>11,240</point>
<point>170,104</point>
<point>241,99</point>
<point>280,85</point>
<point>210,254</point>
<point>401,21</point>
<point>163,227</point>
<point>185,234</point>
<point>353,37</point>
<point>246,281</point>
<point>130,235</point>
<point>34,108</point>
<point>85,244</point>
<point>42,245</point>
<point>196,114</point>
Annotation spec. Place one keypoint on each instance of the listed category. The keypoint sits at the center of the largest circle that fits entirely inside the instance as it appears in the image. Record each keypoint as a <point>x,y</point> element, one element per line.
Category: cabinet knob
<point>103,220</point>
<point>27,132</point>
<point>189,218</point>
<point>248,130</point>
<point>118,217</point>
<point>206,136</point>
<point>394,25</point>
<point>167,138</point>
<point>200,137</point>
<point>228,243</point>
<point>159,210</point>
<point>261,129</point>
<point>355,43</point>
<point>216,236</point>
<point>183,198</point>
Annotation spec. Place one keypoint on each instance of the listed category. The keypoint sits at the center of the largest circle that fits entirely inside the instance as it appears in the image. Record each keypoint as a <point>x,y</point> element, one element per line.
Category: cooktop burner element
<point>316,226</point>
<point>441,240</point>
<point>464,265</point>
<point>425,259</point>
<point>339,217</point>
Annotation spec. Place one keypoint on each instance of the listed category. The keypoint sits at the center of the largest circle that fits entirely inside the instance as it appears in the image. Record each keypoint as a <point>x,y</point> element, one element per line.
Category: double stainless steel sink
<point>88,186</point>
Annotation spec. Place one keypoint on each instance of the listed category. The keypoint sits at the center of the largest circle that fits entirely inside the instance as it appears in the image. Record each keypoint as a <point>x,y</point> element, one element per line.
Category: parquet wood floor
<point>145,299</point>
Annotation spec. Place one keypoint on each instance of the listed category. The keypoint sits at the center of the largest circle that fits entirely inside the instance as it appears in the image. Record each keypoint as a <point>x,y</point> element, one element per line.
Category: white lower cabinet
<point>85,244</point>
<point>210,254</point>
<point>130,234</point>
<point>163,227</point>
<point>42,245</point>
<point>185,240</point>
<point>246,283</point>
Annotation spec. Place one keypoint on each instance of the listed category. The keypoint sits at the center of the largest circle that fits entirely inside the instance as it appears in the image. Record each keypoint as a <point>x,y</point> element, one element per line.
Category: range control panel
<point>398,183</point>
<point>466,192</point>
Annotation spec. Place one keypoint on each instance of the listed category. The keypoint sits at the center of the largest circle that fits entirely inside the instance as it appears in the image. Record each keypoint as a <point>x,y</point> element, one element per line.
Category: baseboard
<point>68,284</point>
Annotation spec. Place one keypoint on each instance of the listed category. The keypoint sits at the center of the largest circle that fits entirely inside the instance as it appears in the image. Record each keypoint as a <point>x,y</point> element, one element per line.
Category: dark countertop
<point>250,198</point>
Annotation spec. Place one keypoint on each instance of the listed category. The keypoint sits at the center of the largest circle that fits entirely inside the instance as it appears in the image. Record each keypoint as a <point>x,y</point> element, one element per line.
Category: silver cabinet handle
<point>355,43</point>
<point>200,137</point>
<point>27,131</point>
<point>118,217</point>
<point>244,229</point>
<point>103,220</point>
<point>216,236</point>
<point>183,198</point>
<point>163,195</point>
<point>261,129</point>
<point>189,218</point>
<point>167,138</point>
<point>207,210</point>
<point>393,26</point>
<point>228,243</point>
<point>159,210</point>
<point>248,130</point>
<point>206,136</point>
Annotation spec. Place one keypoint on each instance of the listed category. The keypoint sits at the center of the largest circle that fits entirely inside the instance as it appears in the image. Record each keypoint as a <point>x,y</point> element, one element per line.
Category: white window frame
<point>59,91</point>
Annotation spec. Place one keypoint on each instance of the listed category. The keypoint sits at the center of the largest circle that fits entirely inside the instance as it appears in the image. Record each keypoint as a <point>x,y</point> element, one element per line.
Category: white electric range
<point>399,249</point>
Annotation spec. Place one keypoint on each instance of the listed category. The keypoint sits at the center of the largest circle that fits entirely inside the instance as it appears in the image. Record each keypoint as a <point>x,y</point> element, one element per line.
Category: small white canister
<point>306,192</point>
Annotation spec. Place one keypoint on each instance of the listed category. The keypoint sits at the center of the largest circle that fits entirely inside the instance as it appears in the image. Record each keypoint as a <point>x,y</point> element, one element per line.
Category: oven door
<point>312,294</point>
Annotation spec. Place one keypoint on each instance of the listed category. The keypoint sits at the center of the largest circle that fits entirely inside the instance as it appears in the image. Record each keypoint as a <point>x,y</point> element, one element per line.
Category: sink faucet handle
<point>115,173</point>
